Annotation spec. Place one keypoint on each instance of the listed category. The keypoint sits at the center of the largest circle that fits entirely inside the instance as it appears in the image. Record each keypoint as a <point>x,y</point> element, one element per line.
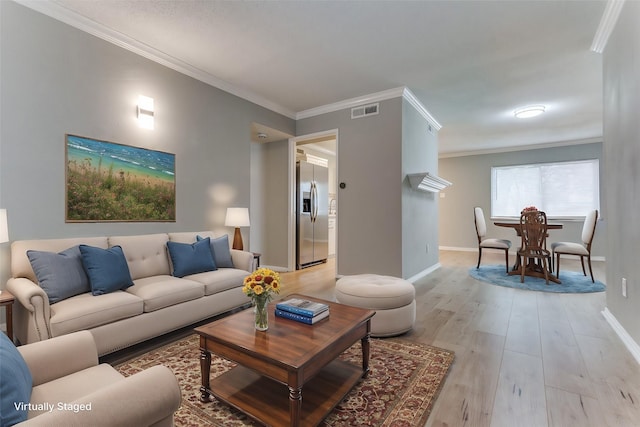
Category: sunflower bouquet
<point>260,286</point>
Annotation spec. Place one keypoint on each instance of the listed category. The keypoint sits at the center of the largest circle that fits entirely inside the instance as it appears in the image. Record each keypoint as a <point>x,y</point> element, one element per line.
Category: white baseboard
<point>424,273</point>
<point>276,268</point>
<point>455,248</point>
<point>631,345</point>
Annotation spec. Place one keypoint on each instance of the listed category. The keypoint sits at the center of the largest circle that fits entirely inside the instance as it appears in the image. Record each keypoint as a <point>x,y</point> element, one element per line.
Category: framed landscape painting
<point>109,182</point>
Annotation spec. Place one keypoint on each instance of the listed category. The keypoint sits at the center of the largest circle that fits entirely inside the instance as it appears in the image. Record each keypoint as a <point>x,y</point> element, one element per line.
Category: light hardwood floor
<point>522,358</point>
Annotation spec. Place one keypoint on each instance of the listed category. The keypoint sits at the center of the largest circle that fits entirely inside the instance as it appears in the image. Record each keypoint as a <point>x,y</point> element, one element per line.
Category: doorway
<point>321,147</point>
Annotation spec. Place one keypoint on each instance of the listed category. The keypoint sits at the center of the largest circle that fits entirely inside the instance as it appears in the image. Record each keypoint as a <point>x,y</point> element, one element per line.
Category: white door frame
<point>292,190</point>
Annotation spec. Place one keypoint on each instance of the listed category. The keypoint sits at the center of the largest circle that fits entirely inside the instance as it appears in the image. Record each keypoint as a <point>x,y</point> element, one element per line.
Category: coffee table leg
<point>205,370</point>
<point>365,355</point>
<point>295,405</point>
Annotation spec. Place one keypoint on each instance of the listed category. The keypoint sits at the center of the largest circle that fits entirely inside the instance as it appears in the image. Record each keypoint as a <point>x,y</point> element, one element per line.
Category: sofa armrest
<point>242,260</point>
<point>142,399</point>
<point>60,356</point>
<point>33,313</point>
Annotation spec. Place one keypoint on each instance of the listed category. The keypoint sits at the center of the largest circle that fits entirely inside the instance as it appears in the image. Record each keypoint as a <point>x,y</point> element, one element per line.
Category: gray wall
<point>56,79</point>
<point>269,202</point>
<point>384,226</point>
<point>419,209</point>
<point>369,163</point>
<point>471,177</point>
<point>622,161</point>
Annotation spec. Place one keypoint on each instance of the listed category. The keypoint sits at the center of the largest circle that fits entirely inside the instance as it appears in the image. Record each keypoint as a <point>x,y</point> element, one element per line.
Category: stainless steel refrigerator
<point>312,209</point>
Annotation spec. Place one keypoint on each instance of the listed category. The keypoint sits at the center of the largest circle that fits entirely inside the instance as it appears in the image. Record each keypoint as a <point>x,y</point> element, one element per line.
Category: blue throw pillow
<point>107,269</point>
<point>15,384</point>
<point>191,258</point>
<point>220,251</point>
<point>60,275</point>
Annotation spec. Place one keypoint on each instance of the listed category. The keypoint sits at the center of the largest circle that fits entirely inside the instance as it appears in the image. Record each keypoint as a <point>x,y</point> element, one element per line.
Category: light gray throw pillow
<point>60,275</point>
<point>221,251</point>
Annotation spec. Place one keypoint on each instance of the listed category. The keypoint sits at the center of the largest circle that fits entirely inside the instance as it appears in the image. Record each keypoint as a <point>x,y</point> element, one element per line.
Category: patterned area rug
<point>403,383</point>
<point>572,282</point>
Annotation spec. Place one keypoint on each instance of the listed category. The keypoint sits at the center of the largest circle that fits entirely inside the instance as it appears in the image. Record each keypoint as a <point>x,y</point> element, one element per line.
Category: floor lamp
<point>237,217</point>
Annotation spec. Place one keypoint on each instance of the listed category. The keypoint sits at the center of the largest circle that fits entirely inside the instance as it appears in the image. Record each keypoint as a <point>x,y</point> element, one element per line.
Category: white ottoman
<point>393,299</point>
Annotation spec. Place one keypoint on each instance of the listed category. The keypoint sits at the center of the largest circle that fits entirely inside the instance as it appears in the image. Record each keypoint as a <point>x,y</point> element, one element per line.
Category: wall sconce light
<point>237,217</point>
<point>145,112</point>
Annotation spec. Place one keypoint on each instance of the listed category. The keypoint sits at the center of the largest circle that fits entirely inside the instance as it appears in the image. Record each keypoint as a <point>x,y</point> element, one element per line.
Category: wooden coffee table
<point>275,365</point>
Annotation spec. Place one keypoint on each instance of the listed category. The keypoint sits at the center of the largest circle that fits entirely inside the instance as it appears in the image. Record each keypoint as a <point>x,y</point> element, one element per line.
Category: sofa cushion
<point>190,236</point>
<point>146,254</point>
<point>107,269</point>
<point>163,291</point>
<point>15,383</point>
<point>220,250</point>
<point>61,275</point>
<point>191,258</point>
<point>219,280</point>
<point>87,311</point>
<point>20,265</point>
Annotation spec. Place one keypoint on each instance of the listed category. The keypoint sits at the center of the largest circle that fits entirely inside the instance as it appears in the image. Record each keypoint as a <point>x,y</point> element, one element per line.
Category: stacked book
<point>302,310</point>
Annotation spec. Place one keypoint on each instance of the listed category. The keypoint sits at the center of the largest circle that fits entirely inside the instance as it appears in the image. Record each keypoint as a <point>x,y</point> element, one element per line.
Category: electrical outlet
<point>428,247</point>
<point>624,287</point>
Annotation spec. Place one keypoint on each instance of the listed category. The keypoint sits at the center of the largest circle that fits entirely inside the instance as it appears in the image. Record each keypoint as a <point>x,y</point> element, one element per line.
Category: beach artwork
<point>115,182</point>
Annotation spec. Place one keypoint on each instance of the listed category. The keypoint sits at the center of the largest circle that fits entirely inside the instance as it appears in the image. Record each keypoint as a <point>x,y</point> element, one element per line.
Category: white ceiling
<point>470,63</point>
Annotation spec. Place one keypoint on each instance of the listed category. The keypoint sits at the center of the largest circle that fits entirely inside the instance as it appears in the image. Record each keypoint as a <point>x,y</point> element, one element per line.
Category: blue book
<point>302,306</point>
<point>300,318</point>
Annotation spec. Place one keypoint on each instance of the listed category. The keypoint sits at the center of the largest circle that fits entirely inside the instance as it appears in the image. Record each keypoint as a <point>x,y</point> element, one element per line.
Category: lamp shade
<point>4,229</point>
<point>237,217</point>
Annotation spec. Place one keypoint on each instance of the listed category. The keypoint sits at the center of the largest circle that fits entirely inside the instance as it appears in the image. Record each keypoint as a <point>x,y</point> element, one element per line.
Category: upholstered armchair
<point>70,388</point>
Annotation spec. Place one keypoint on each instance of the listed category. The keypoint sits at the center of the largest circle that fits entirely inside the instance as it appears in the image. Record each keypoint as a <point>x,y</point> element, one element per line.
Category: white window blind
<point>561,190</point>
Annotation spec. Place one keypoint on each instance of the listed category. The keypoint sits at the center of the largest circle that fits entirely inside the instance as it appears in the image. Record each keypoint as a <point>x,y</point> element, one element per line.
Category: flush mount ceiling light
<point>529,111</point>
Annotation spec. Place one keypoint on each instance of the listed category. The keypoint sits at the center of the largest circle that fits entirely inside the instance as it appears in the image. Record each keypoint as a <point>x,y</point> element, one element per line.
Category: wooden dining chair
<point>578,249</point>
<point>488,243</point>
<point>533,231</point>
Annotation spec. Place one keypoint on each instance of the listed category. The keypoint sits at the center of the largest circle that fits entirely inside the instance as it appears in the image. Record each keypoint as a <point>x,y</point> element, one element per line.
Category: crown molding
<point>607,24</point>
<point>411,98</point>
<point>349,103</point>
<point>69,17</point>
<point>398,92</point>
<point>87,25</point>
<point>450,154</point>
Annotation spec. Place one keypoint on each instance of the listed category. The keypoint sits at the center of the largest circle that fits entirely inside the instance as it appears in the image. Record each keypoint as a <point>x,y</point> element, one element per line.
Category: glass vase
<point>261,314</point>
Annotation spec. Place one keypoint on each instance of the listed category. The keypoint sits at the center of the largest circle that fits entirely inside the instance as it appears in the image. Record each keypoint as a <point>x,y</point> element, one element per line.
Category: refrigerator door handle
<point>315,215</point>
<point>314,201</point>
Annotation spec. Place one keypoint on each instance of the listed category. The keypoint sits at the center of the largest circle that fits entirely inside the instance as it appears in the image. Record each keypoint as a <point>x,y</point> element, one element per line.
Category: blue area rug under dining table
<point>572,281</point>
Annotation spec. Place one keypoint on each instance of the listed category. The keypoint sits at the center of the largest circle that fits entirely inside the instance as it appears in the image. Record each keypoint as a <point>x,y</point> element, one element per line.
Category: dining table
<point>531,268</point>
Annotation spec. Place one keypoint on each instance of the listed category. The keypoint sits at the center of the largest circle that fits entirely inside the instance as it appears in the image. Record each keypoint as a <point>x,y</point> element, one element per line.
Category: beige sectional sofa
<point>157,302</point>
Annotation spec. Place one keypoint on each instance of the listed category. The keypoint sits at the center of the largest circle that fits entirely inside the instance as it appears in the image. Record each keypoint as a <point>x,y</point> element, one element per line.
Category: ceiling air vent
<point>365,110</point>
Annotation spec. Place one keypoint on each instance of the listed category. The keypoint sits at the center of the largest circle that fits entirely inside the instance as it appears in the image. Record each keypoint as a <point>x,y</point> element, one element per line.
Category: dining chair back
<point>488,243</point>
<point>578,249</point>
<point>533,232</point>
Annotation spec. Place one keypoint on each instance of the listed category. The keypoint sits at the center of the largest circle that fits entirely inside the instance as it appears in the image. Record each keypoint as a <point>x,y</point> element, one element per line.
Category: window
<point>561,190</point>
